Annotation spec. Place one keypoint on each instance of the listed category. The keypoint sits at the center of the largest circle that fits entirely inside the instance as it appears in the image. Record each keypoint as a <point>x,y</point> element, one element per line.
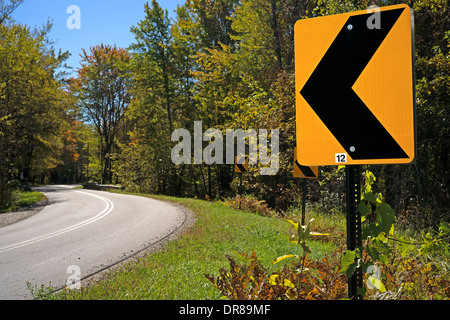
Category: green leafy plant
<point>250,280</point>
<point>380,248</point>
<point>42,292</point>
<point>247,281</point>
<point>303,235</point>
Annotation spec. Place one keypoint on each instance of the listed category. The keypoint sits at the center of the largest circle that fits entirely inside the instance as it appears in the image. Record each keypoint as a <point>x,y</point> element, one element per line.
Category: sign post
<point>303,201</point>
<point>240,166</point>
<point>305,173</point>
<point>353,187</point>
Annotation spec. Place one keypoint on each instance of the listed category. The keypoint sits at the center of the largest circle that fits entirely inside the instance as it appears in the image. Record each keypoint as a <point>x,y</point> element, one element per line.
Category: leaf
<point>294,224</point>
<point>370,177</point>
<point>318,234</point>
<point>308,288</point>
<point>348,263</point>
<point>320,291</point>
<point>404,247</point>
<point>408,285</point>
<point>372,231</point>
<point>303,235</point>
<point>444,228</point>
<point>361,291</point>
<point>369,196</point>
<point>287,256</point>
<point>386,217</point>
<point>291,294</point>
<point>376,283</point>
<point>241,256</point>
<point>300,270</point>
<point>286,282</point>
<point>380,198</point>
<point>364,208</point>
<point>379,251</point>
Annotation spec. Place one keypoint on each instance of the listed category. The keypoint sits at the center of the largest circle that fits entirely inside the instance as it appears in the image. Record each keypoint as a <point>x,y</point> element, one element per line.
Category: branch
<point>6,10</point>
<point>418,243</point>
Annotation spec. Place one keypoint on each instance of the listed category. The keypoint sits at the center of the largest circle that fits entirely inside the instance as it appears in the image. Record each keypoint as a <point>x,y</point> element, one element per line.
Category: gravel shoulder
<point>8,218</point>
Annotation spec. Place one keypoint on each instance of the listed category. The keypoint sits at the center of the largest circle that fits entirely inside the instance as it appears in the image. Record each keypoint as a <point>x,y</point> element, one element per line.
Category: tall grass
<point>23,199</point>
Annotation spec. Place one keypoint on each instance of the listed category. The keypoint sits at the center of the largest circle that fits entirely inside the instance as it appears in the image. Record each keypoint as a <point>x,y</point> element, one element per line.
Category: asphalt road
<point>79,233</point>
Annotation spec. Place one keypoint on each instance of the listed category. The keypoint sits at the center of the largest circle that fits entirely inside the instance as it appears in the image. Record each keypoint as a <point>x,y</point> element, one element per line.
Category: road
<point>79,233</point>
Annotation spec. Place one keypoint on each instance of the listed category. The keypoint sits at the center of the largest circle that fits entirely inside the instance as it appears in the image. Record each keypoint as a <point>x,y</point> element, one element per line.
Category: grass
<point>178,270</point>
<point>23,199</point>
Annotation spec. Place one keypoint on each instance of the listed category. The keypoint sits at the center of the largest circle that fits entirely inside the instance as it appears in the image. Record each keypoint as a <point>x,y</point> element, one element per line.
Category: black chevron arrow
<point>307,172</point>
<point>241,167</point>
<point>329,89</point>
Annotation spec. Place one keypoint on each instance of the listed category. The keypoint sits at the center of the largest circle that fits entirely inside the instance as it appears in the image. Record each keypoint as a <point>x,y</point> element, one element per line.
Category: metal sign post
<point>353,195</point>
<point>240,166</point>
<point>303,201</point>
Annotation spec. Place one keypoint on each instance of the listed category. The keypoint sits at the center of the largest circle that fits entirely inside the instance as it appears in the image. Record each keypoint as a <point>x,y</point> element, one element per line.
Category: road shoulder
<point>8,218</point>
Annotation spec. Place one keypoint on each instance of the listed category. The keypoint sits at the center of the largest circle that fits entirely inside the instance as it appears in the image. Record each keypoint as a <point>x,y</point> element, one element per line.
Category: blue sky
<point>102,21</point>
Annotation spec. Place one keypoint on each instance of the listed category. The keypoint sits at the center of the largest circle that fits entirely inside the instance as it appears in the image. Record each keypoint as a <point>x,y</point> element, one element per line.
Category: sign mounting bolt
<point>352,149</point>
<point>350,27</point>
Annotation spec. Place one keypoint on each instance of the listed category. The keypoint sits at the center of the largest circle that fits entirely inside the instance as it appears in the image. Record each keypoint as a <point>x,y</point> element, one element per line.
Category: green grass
<point>177,271</point>
<point>23,199</point>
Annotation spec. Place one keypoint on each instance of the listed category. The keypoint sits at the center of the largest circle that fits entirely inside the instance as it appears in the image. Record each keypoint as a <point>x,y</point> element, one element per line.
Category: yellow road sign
<point>355,88</point>
<point>241,164</point>
<point>304,171</point>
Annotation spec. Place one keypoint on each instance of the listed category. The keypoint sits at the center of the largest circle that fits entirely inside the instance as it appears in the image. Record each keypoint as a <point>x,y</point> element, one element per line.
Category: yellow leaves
<point>376,283</point>
<point>292,293</point>
<point>285,257</point>
<point>304,233</point>
<point>274,280</point>
<point>312,233</point>
<point>294,224</point>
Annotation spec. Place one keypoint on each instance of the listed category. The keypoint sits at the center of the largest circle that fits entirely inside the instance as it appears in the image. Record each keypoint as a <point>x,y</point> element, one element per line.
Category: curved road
<point>80,232</point>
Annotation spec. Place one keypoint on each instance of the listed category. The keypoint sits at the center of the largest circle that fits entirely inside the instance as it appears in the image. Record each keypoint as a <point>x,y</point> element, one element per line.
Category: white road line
<point>109,207</point>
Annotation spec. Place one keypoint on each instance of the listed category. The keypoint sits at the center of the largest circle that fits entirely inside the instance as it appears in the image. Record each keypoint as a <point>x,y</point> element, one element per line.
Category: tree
<point>8,7</point>
<point>32,106</point>
<point>152,46</point>
<point>102,90</point>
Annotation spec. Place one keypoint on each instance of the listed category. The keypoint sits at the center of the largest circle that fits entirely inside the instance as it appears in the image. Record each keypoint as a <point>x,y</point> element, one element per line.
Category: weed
<point>251,204</point>
<point>250,280</point>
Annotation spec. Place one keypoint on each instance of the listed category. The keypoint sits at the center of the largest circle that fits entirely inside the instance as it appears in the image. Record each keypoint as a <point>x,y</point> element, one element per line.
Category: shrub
<point>251,204</point>
<point>319,280</point>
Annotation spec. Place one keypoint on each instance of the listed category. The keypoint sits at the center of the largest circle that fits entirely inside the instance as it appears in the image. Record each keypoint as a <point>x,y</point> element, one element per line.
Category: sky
<point>101,21</point>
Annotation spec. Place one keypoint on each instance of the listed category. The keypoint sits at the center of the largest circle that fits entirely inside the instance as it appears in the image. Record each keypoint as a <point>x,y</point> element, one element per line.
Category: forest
<point>226,63</point>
